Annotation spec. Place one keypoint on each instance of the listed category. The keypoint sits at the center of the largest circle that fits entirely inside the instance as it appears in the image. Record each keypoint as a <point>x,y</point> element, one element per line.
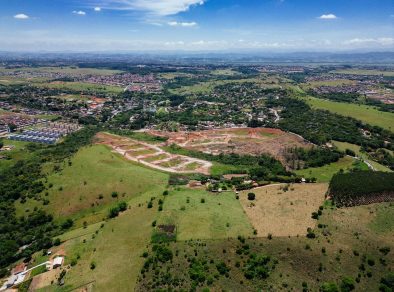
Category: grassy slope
<point>344,145</point>
<point>103,172</point>
<point>325,173</point>
<point>221,215</point>
<point>296,264</point>
<point>367,114</point>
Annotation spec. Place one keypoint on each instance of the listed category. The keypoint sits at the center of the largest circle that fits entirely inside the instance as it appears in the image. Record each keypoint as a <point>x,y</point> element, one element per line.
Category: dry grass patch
<point>283,213</point>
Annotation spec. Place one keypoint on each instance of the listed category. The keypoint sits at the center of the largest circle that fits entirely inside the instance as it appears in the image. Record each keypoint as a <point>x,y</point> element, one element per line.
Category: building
<point>57,262</point>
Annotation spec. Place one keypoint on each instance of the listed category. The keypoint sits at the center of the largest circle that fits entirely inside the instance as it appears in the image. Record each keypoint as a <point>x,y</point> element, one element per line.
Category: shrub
<point>92,265</point>
<point>57,242</point>
<point>113,212</point>
<point>347,284</point>
<point>114,194</point>
<point>251,196</point>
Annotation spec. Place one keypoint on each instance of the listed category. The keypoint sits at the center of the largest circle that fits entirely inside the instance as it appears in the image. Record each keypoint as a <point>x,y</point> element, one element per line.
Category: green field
<point>94,171</point>
<point>342,146</point>
<point>221,216</point>
<point>367,114</point>
<point>117,246</point>
<point>364,72</point>
<point>325,173</point>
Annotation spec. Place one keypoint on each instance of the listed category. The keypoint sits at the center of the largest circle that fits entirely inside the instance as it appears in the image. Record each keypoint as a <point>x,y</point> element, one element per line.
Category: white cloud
<point>97,9</point>
<point>80,12</point>
<point>328,16</point>
<point>183,24</point>
<point>21,16</point>
<point>156,7</point>
<point>384,41</point>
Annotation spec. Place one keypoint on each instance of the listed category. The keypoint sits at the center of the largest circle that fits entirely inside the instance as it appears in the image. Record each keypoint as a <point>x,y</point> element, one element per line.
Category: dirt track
<point>146,153</point>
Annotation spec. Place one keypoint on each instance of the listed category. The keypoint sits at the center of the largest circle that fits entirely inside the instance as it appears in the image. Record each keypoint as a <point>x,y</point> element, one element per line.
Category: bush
<point>251,196</point>
<point>57,242</point>
<point>348,284</point>
<point>114,194</point>
<point>113,212</point>
<point>92,265</point>
<point>329,287</point>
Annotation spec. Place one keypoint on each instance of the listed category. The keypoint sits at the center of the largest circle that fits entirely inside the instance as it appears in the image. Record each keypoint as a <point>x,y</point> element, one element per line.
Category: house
<point>19,269</point>
<point>57,262</point>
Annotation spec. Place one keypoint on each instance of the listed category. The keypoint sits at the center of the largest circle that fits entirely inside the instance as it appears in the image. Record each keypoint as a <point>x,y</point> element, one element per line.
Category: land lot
<point>253,141</point>
<point>284,213</point>
<point>218,216</point>
<point>152,155</point>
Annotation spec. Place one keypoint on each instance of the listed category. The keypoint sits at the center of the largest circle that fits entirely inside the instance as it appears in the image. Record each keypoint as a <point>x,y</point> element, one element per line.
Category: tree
<point>251,196</point>
<point>348,284</point>
<point>1,144</point>
<point>329,287</point>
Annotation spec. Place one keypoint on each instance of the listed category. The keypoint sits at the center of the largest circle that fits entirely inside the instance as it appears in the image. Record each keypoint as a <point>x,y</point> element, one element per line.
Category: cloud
<point>21,16</point>
<point>183,24</point>
<point>328,16</point>
<point>97,9</point>
<point>156,7</point>
<point>383,41</point>
<point>80,12</point>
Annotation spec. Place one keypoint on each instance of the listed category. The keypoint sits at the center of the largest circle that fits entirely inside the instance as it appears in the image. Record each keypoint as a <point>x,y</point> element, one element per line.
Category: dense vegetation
<point>361,187</point>
<point>300,158</point>
<point>319,126</point>
<point>25,179</point>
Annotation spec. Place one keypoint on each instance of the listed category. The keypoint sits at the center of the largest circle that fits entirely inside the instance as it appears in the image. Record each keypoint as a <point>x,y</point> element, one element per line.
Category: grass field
<point>283,213</point>
<point>367,114</point>
<point>220,216</point>
<point>365,72</point>
<point>325,173</point>
<point>338,82</point>
<point>94,171</point>
<point>342,146</point>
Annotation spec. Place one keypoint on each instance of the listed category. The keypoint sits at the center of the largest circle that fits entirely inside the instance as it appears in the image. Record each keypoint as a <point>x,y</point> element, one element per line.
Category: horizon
<point>284,26</point>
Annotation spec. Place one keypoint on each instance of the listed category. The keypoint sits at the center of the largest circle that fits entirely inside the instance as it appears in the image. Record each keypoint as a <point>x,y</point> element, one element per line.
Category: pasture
<point>367,114</point>
<point>325,173</point>
<point>199,214</point>
<point>81,87</point>
<point>87,185</point>
<point>345,246</point>
<point>283,210</point>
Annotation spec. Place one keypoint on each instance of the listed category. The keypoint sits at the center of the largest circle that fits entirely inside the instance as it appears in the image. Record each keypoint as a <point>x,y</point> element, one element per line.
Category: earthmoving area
<point>152,155</point>
<point>253,141</point>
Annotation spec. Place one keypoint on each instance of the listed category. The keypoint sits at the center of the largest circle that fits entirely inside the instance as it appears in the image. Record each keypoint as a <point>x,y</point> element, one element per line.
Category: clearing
<point>152,155</point>
<point>283,213</point>
<point>253,141</point>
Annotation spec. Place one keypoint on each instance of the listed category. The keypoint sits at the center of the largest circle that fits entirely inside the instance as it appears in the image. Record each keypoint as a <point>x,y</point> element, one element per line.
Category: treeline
<point>25,179</point>
<point>361,187</point>
<point>320,126</point>
<point>299,158</point>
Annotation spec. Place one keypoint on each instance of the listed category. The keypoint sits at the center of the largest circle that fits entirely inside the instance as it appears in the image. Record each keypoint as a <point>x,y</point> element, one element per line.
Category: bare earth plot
<point>281,213</point>
<point>253,141</point>
<point>152,155</point>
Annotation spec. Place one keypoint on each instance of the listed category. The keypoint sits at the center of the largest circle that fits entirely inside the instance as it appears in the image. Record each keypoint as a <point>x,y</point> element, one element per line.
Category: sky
<point>197,25</point>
